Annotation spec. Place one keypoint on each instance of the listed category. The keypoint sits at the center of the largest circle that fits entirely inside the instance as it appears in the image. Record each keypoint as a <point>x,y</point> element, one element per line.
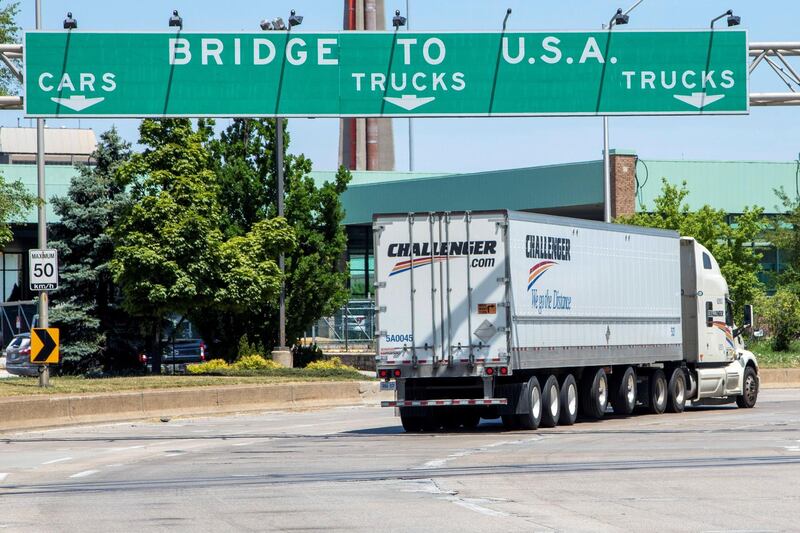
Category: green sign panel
<point>385,73</point>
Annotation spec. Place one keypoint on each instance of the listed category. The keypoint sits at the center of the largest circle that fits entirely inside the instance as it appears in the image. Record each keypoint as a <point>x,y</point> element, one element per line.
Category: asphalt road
<point>353,469</point>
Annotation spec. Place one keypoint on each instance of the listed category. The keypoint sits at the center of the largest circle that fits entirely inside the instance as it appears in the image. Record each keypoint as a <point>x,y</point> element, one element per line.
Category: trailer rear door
<point>441,286</point>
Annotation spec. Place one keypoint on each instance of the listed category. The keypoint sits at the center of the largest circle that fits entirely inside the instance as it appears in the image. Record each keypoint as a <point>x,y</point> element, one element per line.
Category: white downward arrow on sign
<point>699,100</point>
<point>77,103</point>
<point>409,102</point>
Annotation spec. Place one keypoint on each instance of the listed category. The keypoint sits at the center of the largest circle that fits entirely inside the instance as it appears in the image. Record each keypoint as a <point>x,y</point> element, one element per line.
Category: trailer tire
<point>533,417</point>
<point>677,391</point>
<point>569,400</point>
<point>551,403</point>
<point>749,395</point>
<point>624,400</point>
<point>595,397</point>
<point>659,392</point>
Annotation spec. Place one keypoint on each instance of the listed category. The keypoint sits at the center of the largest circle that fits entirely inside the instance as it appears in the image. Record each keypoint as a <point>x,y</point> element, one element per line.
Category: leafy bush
<point>209,367</point>
<point>781,313</point>
<point>254,362</point>
<point>303,355</point>
<point>246,348</point>
<point>333,363</point>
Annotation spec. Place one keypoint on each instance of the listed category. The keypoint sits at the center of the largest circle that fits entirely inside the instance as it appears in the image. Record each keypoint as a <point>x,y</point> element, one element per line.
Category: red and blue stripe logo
<point>538,270</point>
<point>405,266</point>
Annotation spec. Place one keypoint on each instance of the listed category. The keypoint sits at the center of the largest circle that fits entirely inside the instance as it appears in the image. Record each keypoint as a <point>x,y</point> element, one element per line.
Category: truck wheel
<point>532,418</point>
<point>624,400</point>
<point>658,392</point>
<point>749,389</point>
<point>569,400</point>
<point>595,400</point>
<point>677,391</point>
<point>551,410</point>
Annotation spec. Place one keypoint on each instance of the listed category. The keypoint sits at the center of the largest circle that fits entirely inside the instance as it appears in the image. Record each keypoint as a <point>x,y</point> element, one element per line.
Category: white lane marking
<point>85,473</point>
<point>125,448</point>
<point>428,486</point>
<point>60,460</point>
<point>176,454</point>
<point>472,506</point>
<point>438,463</point>
<point>243,443</point>
<point>3,476</point>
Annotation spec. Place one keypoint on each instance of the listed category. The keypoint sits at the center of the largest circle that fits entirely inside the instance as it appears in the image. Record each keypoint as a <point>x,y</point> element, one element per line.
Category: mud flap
<point>518,396</point>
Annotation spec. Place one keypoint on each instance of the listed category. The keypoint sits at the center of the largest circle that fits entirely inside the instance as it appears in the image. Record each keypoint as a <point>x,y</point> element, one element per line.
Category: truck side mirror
<point>709,314</point>
<point>748,316</point>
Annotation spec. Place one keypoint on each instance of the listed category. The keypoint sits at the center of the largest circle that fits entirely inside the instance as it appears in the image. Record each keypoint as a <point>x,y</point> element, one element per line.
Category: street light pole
<point>618,18</point>
<point>44,376</point>
<point>281,258</point>
<point>282,354</point>
<point>410,120</point>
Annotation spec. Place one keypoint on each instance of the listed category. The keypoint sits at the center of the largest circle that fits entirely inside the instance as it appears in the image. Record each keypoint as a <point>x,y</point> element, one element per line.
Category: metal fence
<point>351,328</point>
<point>16,317</point>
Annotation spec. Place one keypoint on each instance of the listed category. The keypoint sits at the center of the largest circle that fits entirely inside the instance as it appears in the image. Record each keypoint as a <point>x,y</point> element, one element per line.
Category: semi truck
<point>535,318</point>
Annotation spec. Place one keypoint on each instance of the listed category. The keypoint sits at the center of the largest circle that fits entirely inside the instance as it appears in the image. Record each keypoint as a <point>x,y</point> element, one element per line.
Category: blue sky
<point>453,144</point>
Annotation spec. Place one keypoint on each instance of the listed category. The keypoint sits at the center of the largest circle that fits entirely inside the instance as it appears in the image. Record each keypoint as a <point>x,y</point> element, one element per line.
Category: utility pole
<point>44,376</point>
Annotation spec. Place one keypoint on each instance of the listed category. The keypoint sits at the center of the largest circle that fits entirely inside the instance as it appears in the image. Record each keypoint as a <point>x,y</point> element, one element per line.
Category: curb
<point>779,378</point>
<point>29,412</point>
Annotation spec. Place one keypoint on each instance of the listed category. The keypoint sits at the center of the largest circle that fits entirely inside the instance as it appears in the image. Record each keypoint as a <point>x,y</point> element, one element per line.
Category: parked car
<point>18,356</point>
<point>175,355</point>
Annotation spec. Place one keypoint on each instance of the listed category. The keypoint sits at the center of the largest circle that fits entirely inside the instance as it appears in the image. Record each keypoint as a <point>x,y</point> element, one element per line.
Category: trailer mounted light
<point>383,373</point>
<point>489,371</point>
<point>503,370</point>
<point>397,372</point>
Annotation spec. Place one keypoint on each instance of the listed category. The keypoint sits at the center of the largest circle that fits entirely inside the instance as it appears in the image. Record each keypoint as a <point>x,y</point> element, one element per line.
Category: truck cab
<point>712,345</point>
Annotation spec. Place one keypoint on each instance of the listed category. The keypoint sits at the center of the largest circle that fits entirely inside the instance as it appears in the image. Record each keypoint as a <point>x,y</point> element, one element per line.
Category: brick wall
<point>623,184</point>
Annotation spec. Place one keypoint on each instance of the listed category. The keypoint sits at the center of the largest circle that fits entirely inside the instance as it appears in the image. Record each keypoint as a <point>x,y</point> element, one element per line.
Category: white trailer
<point>529,317</point>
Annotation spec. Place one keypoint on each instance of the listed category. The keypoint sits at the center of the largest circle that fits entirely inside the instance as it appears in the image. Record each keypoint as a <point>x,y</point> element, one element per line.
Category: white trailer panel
<point>459,291</point>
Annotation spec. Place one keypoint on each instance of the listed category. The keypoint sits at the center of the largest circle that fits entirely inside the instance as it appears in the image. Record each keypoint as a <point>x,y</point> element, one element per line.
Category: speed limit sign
<point>43,269</point>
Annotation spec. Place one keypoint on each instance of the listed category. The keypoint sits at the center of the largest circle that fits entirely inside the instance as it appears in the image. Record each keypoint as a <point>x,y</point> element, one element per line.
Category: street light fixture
<point>505,20</point>
<point>618,19</point>
<point>70,23</point>
<point>397,20</point>
<point>175,21</point>
<point>733,20</point>
<point>294,19</point>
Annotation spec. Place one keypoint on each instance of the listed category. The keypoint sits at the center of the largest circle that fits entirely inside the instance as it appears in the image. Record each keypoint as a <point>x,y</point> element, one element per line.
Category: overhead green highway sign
<point>363,74</point>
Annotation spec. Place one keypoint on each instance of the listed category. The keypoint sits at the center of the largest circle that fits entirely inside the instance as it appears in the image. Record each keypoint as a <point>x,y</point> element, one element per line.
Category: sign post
<point>386,74</point>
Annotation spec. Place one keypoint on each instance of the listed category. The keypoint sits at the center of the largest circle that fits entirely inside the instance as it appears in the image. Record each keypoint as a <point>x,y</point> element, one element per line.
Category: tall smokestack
<point>365,144</point>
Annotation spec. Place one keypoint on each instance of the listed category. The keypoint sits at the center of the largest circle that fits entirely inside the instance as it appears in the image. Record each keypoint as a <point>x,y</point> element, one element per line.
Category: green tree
<point>95,332</point>
<point>781,313</point>
<point>171,255</point>
<point>9,33</point>
<point>15,202</point>
<point>784,233</point>
<point>728,243</point>
<point>315,284</point>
